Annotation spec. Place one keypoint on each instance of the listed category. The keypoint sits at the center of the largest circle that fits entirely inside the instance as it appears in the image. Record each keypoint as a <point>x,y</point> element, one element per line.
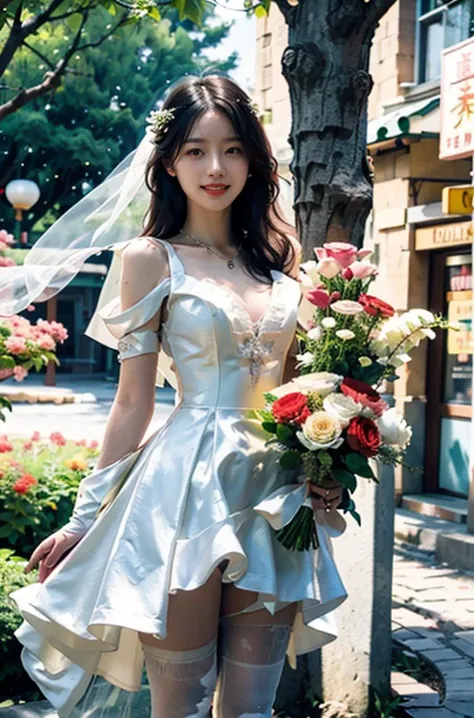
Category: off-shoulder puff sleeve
<point>121,329</point>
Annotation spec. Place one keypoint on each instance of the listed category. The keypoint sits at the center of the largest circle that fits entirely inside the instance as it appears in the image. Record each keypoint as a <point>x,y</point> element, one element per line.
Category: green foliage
<point>69,140</point>
<point>385,706</point>
<point>11,579</point>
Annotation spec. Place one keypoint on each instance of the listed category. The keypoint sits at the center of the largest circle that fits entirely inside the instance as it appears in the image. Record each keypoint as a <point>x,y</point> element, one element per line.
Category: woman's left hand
<point>326,497</point>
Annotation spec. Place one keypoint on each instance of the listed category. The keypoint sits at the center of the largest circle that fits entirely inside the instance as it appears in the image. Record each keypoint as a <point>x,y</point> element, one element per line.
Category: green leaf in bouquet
<point>270,427</point>
<point>355,515</point>
<point>345,478</point>
<point>285,434</point>
<point>325,459</point>
<point>269,397</point>
<point>290,459</point>
<point>358,464</point>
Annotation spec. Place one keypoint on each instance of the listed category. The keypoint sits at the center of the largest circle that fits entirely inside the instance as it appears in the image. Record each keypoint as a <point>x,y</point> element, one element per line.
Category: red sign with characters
<point>457,101</point>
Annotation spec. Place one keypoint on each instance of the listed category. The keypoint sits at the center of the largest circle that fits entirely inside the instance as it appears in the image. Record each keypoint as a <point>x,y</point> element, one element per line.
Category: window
<point>441,24</point>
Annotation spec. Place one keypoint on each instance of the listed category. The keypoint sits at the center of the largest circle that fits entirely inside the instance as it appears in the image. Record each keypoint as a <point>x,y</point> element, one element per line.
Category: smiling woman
<point>175,527</point>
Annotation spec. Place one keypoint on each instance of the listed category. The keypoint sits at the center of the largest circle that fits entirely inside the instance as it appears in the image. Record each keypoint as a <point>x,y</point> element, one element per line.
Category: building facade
<point>423,255</point>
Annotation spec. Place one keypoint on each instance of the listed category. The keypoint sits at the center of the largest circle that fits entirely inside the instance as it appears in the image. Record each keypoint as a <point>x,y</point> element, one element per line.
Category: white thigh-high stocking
<point>251,661</point>
<point>182,683</point>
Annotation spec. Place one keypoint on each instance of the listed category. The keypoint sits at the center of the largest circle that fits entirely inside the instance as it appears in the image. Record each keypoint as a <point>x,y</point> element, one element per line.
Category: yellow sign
<point>458,200</point>
<point>457,101</point>
<point>460,342</point>
<point>443,235</point>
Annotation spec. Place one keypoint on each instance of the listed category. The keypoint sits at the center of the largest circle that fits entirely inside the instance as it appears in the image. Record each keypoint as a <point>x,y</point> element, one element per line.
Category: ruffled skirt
<point>203,490</point>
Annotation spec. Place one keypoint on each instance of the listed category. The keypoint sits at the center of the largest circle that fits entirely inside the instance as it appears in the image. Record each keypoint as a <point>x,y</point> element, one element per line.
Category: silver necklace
<point>211,250</point>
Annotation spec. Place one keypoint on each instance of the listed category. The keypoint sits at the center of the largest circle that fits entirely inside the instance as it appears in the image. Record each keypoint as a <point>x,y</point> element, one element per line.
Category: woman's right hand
<point>50,551</point>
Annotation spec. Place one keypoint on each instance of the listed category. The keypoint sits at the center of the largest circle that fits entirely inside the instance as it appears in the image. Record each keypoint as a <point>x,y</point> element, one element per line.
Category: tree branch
<point>19,32</point>
<point>102,39</point>
<point>73,12</point>
<point>51,81</point>
<point>40,55</point>
<point>130,6</point>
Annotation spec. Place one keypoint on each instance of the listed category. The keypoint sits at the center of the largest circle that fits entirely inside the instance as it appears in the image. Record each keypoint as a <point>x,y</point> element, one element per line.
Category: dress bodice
<point>221,357</point>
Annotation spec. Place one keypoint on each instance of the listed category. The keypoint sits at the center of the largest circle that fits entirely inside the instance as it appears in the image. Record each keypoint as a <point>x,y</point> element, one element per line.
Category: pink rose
<point>15,345</point>
<point>19,373</point>
<point>5,373</point>
<point>329,268</point>
<point>363,270</point>
<point>348,274</point>
<point>319,297</point>
<point>343,252</point>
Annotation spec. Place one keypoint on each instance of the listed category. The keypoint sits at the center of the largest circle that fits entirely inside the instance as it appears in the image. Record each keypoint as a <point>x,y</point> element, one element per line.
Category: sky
<point>241,38</point>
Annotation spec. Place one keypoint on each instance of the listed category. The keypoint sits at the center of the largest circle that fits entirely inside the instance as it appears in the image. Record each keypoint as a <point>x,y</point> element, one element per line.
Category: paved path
<point>433,615</point>
<point>84,420</point>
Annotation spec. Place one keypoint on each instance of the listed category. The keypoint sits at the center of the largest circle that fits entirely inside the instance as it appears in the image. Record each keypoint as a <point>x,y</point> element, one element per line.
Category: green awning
<point>403,122</point>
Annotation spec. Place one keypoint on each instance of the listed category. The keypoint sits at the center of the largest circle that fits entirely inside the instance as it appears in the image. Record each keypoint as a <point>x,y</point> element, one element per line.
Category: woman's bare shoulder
<point>144,264</point>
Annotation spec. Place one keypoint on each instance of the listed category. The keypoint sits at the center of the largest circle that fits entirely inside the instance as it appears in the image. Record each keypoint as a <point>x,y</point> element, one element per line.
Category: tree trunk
<point>326,66</point>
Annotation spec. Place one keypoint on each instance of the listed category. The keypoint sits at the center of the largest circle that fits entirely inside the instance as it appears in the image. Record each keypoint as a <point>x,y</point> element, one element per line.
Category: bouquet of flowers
<point>331,420</point>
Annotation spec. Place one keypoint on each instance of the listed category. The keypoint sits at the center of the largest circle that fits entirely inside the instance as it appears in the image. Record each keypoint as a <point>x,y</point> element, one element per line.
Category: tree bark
<point>326,66</point>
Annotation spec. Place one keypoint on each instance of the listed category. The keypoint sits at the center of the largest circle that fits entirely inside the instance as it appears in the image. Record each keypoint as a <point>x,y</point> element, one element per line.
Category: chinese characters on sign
<point>457,101</point>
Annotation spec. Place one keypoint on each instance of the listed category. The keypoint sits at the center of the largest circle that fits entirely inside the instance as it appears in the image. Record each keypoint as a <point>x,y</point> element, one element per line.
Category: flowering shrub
<point>331,420</point>
<point>38,485</point>
<point>6,240</point>
<point>24,346</point>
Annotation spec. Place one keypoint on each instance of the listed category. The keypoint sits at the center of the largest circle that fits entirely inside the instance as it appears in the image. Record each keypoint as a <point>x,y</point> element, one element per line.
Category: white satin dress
<point>202,490</point>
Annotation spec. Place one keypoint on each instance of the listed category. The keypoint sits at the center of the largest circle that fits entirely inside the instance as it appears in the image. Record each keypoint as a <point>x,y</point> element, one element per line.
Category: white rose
<point>342,408</point>
<point>314,334</point>
<point>365,361</point>
<point>320,382</point>
<point>345,334</point>
<point>394,429</point>
<point>320,431</point>
<point>328,322</point>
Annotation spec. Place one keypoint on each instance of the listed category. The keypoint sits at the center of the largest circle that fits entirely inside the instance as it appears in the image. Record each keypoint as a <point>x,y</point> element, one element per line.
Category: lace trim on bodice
<point>255,340</point>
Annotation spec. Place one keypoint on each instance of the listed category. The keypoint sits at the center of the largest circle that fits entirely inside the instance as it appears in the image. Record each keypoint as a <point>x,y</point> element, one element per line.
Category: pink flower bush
<point>19,373</point>
<point>6,238</point>
<point>15,345</point>
<point>46,342</point>
<point>24,345</point>
<point>57,438</point>
<point>7,262</point>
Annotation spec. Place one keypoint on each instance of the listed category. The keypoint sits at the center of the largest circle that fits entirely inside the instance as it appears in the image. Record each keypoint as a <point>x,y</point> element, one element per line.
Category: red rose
<point>364,394</point>
<point>375,307</point>
<point>363,436</point>
<point>291,409</point>
<point>24,484</point>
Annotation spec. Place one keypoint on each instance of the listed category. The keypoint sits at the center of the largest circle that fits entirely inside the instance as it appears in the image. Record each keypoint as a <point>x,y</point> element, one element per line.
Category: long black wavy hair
<point>256,221</point>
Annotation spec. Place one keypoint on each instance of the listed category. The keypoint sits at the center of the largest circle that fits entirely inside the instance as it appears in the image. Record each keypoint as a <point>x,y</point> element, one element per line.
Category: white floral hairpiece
<point>159,120</point>
<point>254,107</point>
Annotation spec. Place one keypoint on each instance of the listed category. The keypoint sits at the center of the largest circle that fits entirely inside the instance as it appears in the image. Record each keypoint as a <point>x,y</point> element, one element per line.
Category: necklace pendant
<point>230,264</point>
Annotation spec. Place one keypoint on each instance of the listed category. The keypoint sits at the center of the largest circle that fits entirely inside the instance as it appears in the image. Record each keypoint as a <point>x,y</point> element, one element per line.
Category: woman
<point>179,564</point>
